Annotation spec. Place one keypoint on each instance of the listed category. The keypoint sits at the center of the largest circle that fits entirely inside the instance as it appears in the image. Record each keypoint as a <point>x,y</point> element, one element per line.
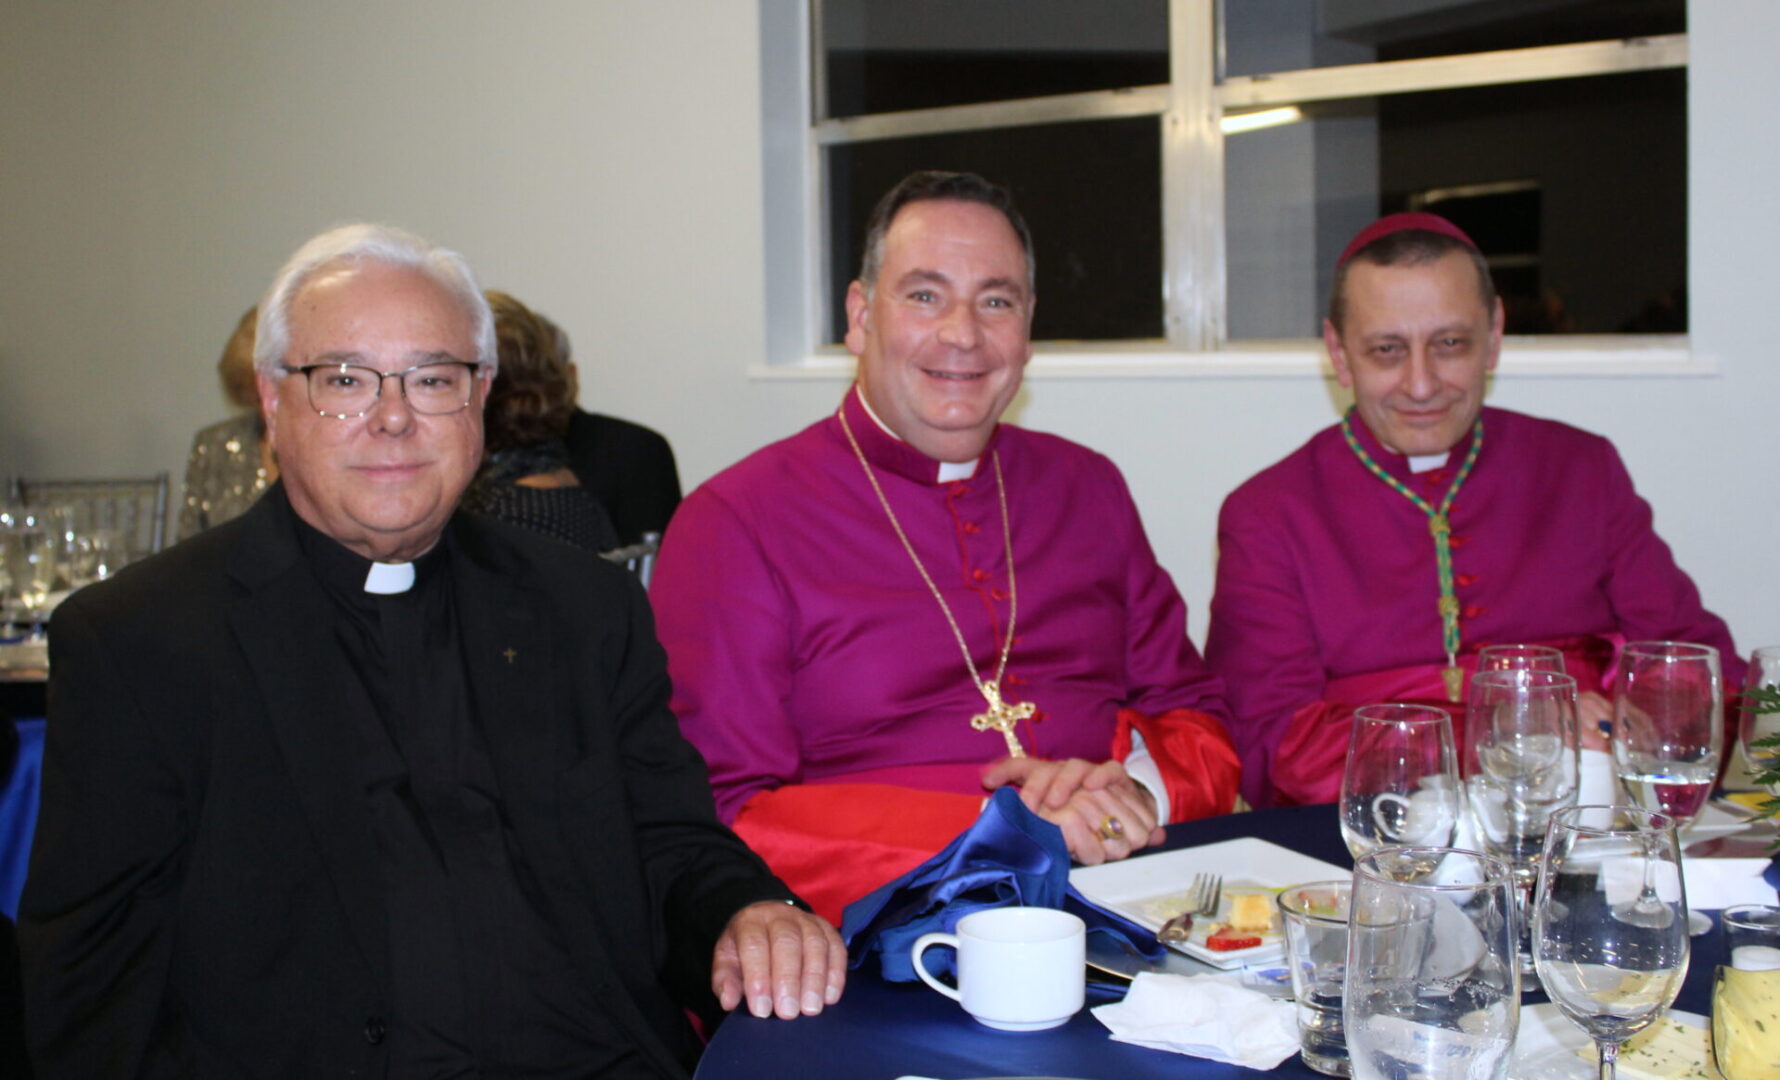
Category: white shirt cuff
<point>1141,767</point>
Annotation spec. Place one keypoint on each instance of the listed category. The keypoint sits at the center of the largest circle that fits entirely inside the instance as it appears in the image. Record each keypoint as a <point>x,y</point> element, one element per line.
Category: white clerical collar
<point>1426,462</point>
<point>385,578</point>
<point>948,470</point>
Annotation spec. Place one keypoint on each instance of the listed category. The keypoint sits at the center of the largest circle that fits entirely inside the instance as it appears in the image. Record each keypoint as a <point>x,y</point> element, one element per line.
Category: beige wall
<point>601,159</point>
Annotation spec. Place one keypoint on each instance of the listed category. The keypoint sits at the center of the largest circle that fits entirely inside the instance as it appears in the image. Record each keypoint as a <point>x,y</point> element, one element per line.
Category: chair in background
<point>638,558</point>
<point>134,507</point>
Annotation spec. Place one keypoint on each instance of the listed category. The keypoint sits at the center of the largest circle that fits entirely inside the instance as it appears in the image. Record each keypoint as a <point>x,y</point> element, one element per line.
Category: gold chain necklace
<point>1000,716</point>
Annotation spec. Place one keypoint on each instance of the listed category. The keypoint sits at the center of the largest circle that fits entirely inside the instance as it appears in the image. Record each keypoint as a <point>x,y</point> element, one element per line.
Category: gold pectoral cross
<point>1003,717</point>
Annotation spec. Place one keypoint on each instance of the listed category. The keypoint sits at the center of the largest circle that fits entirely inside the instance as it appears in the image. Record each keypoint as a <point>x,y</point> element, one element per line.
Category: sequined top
<point>566,513</point>
<point>224,475</point>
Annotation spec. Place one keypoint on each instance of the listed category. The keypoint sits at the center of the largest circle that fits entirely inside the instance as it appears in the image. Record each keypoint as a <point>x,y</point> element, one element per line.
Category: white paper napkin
<point>1208,1016</point>
<point>1721,883</point>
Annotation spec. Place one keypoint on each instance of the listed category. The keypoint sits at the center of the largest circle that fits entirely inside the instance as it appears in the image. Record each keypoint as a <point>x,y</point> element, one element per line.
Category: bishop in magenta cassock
<point>1331,589</point>
<point>868,621</point>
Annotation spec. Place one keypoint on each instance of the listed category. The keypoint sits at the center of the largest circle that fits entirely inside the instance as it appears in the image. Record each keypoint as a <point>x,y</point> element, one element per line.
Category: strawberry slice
<point>1229,939</point>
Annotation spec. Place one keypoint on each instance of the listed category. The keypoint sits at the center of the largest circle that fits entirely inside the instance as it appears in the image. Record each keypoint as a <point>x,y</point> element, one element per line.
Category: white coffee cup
<point>1019,968</point>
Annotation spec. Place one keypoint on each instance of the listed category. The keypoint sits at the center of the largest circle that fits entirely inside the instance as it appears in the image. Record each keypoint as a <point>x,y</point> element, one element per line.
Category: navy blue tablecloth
<point>880,1031</point>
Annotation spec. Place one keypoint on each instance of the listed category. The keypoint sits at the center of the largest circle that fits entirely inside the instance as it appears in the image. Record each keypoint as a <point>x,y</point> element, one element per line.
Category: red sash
<point>835,842</point>
<point>1311,757</point>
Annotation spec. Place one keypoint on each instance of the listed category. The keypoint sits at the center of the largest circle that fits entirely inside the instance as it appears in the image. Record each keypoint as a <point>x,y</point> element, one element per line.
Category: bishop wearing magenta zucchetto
<point>1374,562</point>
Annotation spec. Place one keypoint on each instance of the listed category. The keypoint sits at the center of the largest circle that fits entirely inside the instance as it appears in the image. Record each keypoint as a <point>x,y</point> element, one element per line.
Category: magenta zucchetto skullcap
<point>1396,223</point>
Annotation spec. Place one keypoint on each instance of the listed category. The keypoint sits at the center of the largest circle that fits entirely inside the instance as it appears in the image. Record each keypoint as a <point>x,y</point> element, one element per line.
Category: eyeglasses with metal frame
<point>351,391</point>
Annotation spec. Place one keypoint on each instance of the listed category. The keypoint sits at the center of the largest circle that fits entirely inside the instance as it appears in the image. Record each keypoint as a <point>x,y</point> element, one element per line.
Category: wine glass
<point>28,549</point>
<point>1401,782</point>
<point>1668,723</point>
<point>1610,923</point>
<point>109,551</point>
<point>1432,988</point>
<point>1764,671</point>
<point>1521,764</point>
<point>69,534</point>
<point>1520,658</point>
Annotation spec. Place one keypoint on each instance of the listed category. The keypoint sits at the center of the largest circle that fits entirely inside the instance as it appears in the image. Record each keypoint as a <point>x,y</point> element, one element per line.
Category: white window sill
<point>1606,356</point>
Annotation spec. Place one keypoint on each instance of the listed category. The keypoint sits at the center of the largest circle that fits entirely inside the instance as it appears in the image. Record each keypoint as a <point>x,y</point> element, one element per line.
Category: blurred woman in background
<point>231,464</point>
<point>525,477</point>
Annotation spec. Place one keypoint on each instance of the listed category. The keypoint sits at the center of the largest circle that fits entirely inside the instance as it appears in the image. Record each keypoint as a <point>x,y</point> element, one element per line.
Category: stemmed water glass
<point>1401,783</point>
<point>1610,922</point>
<point>1668,723</point>
<point>1764,671</point>
<point>1521,764</point>
<point>1432,988</point>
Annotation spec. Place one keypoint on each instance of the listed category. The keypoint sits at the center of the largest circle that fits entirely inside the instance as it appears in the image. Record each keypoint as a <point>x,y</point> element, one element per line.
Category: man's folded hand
<point>1104,814</point>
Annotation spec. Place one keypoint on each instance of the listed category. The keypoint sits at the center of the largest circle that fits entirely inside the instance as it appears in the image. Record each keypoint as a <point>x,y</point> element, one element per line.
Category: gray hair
<point>368,243</point>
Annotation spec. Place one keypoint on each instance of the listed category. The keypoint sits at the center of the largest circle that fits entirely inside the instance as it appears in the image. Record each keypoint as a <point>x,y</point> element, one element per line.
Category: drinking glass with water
<point>1314,918</point>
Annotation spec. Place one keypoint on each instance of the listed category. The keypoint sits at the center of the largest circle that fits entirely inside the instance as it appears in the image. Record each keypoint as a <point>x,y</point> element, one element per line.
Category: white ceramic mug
<point>1019,968</point>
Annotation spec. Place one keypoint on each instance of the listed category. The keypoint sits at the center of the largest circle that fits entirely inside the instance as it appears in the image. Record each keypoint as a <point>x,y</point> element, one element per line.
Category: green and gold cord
<point>1440,525</point>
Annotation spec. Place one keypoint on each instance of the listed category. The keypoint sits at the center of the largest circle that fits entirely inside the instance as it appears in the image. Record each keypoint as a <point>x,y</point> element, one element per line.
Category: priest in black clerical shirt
<point>356,786</point>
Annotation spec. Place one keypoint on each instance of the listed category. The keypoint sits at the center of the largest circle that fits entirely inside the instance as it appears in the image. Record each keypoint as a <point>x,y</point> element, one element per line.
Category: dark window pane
<point>1091,192</point>
<point>1609,158</point>
<point>1576,189</point>
<point>1263,36</point>
<point>892,55</point>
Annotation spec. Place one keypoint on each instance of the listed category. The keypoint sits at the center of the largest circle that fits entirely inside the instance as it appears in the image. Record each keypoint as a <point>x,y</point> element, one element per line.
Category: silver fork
<point>1206,893</point>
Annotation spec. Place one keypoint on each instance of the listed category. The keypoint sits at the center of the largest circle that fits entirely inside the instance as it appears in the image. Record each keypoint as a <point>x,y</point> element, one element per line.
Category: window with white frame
<point>1191,168</point>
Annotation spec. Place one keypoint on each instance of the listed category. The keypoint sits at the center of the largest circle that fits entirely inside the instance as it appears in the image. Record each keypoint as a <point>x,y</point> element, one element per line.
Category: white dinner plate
<point>1546,1048</point>
<point>1134,887</point>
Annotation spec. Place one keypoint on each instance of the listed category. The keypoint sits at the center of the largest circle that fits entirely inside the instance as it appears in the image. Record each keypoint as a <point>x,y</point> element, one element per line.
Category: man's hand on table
<point>780,959</point>
<point>1079,797</point>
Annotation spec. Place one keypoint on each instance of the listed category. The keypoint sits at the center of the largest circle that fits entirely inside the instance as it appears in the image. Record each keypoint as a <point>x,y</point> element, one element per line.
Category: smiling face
<point>384,484</point>
<point>944,336</point>
<point>1415,346</point>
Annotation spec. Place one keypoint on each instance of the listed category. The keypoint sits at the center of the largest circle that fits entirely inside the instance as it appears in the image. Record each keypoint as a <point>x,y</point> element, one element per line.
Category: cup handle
<point>1381,820</point>
<point>921,944</point>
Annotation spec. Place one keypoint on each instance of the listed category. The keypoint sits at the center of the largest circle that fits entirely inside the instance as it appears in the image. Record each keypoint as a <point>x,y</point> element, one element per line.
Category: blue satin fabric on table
<point>18,813</point>
<point>1010,857</point>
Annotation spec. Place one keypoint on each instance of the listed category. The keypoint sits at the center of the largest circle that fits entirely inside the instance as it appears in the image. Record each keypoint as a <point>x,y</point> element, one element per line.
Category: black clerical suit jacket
<point>204,897</point>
